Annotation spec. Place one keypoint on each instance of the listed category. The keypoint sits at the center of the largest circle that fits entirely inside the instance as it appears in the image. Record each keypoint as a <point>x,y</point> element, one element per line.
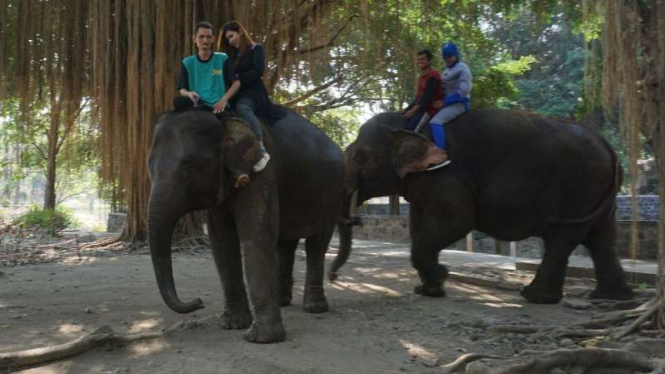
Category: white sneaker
<point>261,164</point>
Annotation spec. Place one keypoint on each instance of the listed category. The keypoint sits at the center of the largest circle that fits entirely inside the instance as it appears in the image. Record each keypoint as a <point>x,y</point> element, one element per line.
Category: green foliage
<point>339,124</point>
<point>24,157</point>
<point>53,221</point>
<point>496,86</point>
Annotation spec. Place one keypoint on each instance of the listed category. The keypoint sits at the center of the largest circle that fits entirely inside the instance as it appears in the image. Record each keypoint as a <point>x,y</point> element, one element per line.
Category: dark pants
<point>413,122</point>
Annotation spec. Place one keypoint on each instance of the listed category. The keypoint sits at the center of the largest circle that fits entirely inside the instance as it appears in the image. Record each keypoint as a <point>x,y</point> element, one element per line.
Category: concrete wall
<point>396,229</point>
<point>648,208</point>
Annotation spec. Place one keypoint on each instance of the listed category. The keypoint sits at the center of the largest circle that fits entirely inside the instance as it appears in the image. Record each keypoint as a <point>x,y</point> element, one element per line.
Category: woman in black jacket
<point>249,59</point>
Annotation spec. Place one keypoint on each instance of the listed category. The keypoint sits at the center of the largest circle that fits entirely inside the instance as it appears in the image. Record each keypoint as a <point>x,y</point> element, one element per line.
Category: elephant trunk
<point>345,231</point>
<point>346,223</point>
<point>160,234</point>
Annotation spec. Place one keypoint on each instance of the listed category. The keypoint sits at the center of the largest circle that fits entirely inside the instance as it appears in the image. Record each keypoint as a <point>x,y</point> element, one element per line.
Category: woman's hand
<point>220,105</point>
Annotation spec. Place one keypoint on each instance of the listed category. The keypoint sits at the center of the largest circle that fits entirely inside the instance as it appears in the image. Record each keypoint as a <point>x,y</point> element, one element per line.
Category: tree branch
<point>41,152</point>
<point>70,126</point>
<point>331,42</point>
<point>313,92</point>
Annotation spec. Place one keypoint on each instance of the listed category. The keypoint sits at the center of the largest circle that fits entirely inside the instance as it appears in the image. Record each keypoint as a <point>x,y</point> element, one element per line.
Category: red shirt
<point>432,96</point>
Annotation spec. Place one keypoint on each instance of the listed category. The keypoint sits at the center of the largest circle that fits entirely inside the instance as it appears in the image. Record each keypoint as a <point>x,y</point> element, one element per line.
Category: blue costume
<point>456,80</point>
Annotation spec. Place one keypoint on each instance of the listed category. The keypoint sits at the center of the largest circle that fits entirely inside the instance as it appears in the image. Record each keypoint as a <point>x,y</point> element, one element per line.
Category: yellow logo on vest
<point>216,72</point>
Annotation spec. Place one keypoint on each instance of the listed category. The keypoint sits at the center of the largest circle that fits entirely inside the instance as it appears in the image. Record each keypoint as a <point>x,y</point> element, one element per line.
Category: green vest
<point>207,78</point>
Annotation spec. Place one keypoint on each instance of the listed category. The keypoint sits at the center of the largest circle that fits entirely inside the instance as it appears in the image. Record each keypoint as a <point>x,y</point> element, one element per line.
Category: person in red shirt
<point>429,91</point>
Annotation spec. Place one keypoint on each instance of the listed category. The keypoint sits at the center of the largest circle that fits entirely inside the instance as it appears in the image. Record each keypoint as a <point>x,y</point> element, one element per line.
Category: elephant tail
<point>608,205</point>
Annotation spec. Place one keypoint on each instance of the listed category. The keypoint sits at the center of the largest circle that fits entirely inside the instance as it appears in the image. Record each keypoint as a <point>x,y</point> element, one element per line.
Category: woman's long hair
<point>223,43</point>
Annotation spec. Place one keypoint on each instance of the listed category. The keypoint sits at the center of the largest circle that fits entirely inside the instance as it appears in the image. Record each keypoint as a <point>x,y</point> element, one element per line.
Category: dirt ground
<point>375,325</point>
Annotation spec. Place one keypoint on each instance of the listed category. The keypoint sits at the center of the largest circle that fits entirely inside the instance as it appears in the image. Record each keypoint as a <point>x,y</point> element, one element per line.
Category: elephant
<point>513,175</point>
<point>198,162</point>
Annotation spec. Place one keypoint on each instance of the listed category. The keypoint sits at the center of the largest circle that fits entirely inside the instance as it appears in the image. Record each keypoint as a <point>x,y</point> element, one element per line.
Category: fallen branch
<point>101,336</point>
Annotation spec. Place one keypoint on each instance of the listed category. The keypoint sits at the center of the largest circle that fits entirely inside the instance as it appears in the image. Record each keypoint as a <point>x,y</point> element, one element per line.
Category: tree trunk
<point>49,189</point>
<point>394,205</point>
<point>17,161</point>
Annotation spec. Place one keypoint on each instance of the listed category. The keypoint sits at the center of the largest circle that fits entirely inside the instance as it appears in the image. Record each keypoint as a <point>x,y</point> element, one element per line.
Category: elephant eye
<point>360,158</point>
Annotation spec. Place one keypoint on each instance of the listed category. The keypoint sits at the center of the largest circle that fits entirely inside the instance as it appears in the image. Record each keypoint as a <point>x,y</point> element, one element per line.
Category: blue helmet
<point>449,50</point>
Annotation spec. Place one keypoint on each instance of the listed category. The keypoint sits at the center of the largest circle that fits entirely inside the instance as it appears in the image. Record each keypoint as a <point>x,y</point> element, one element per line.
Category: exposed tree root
<point>584,358</point>
<point>604,346</point>
<point>100,243</point>
<point>543,362</point>
<point>101,336</point>
<point>638,322</point>
<point>465,359</point>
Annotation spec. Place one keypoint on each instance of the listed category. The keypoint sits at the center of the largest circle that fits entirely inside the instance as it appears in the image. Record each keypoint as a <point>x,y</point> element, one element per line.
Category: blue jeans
<point>245,108</point>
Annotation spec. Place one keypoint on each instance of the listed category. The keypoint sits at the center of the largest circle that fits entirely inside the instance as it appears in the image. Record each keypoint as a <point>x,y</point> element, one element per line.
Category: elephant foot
<point>315,305</point>
<point>235,319</point>
<point>265,333</point>
<point>541,295</point>
<point>429,291</point>
<point>432,282</point>
<point>620,293</point>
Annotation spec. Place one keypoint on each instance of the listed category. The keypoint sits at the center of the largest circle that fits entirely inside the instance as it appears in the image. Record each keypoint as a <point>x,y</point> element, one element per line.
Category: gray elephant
<point>514,175</point>
<point>198,163</point>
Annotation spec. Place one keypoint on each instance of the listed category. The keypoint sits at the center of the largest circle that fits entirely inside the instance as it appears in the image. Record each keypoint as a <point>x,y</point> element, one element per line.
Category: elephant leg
<point>286,250</point>
<point>226,251</point>
<point>314,300</point>
<point>547,286</point>
<point>610,276</point>
<point>429,235</point>
<point>257,221</point>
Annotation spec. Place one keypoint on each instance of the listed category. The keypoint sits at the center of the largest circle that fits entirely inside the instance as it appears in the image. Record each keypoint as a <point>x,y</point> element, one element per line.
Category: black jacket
<point>249,68</point>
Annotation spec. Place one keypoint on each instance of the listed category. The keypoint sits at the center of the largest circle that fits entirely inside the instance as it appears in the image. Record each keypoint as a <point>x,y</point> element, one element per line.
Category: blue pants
<point>444,116</point>
<point>245,108</point>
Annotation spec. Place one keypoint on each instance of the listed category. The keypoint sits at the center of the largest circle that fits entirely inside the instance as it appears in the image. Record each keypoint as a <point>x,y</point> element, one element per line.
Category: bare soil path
<point>376,324</point>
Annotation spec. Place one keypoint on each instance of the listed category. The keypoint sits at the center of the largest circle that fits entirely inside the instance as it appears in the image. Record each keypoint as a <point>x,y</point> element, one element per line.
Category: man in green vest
<point>206,78</point>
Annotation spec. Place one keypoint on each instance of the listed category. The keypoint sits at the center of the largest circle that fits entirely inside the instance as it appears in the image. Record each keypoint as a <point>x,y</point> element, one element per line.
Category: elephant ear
<point>412,152</point>
<point>240,150</point>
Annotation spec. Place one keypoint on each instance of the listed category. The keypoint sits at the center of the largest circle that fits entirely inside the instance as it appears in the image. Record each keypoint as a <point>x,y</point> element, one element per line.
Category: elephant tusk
<point>242,181</point>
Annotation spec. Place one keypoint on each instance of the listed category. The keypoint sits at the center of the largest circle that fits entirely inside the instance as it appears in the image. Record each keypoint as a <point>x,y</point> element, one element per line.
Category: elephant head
<point>195,163</point>
<point>377,163</point>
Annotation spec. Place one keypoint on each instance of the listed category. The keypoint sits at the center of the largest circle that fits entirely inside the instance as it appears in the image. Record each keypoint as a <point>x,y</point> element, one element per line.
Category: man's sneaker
<point>261,164</point>
<point>438,166</point>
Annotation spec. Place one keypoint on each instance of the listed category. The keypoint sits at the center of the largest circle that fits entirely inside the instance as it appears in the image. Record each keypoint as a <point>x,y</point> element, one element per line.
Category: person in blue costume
<point>207,79</point>
<point>456,80</point>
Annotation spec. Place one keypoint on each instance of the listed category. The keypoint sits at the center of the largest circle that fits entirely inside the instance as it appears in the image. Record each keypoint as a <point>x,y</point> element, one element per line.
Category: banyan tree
<point>124,55</point>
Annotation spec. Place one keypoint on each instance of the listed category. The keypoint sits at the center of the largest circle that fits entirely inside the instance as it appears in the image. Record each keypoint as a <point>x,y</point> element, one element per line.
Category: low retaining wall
<point>395,229</point>
<point>648,208</point>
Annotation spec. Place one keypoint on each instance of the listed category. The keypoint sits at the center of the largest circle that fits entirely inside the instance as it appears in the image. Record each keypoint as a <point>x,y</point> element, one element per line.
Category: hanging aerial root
<point>101,336</point>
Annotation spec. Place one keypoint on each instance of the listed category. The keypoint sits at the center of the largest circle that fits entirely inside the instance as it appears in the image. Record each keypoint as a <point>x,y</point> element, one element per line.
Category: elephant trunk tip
<point>184,308</point>
<point>332,276</point>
